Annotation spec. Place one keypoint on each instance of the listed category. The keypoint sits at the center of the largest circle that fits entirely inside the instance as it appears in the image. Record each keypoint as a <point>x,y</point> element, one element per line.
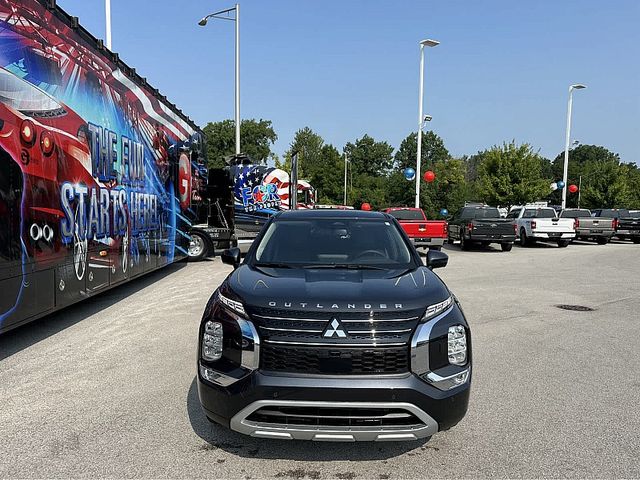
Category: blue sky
<point>346,68</point>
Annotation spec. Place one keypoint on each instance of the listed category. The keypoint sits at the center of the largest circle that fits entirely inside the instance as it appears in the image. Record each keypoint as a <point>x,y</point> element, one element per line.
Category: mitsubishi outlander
<point>333,329</point>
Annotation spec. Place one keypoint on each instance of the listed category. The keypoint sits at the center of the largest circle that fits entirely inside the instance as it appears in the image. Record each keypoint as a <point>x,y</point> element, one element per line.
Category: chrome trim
<point>446,383</point>
<point>362,320</point>
<point>380,320</point>
<point>420,343</point>
<point>250,357</point>
<point>291,319</point>
<point>274,329</point>
<point>327,344</point>
<point>216,377</point>
<point>374,331</point>
<point>240,424</point>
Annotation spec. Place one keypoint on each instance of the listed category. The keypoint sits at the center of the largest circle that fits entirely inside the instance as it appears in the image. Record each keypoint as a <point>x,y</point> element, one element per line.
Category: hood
<point>337,289</point>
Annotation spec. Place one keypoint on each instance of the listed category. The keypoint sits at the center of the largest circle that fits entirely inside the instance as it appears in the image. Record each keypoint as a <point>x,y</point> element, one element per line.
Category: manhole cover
<point>575,308</point>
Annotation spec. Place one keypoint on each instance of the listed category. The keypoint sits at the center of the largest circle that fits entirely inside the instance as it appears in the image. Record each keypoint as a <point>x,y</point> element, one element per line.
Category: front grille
<point>361,328</point>
<point>345,417</point>
<point>373,343</point>
<point>333,361</point>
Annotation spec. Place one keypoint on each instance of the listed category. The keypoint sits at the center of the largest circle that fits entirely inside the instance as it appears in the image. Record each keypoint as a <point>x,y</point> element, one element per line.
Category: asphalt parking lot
<point>106,388</point>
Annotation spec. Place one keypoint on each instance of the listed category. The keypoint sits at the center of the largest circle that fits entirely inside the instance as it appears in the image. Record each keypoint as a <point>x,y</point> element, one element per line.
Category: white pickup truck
<point>533,223</point>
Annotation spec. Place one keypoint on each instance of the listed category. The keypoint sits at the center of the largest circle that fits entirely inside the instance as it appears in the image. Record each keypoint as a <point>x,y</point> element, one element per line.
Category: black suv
<point>333,329</point>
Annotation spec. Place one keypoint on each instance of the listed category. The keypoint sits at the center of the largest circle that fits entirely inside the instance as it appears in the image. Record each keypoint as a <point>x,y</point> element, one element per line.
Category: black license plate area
<point>336,364</point>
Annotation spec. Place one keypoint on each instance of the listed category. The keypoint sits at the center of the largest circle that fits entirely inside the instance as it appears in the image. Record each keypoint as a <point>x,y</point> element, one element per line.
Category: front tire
<point>198,247</point>
<point>602,240</point>
<point>563,243</point>
<point>506,247</point>
<point>437,248</point>
<point>636,240</point>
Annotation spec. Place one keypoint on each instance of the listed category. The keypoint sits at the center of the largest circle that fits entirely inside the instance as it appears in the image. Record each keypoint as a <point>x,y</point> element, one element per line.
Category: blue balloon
<point>409,173</point>
<point>444,212</point>
<point>560,184</point>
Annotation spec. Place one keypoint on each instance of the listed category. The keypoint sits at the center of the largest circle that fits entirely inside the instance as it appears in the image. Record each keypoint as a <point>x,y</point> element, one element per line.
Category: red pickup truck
<point>422,232</point>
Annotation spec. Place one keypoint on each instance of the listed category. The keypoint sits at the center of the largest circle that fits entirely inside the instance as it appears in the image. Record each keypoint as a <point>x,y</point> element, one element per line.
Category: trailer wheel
<point>198,247</point>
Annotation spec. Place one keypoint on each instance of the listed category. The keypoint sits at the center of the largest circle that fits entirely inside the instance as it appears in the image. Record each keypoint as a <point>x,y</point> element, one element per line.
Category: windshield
<point>539,213</point>
<point>576,213</point>
<point>615,213</point>
<point>480,212</point>
<point>24,97</point>
<point>331,242</point>
<point>407,214</point>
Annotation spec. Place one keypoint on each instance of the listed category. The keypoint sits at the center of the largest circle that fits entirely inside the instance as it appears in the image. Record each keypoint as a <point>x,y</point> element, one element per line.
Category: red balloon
<point>573,188</point>
<point>366,207</point>
<point>429,176</point>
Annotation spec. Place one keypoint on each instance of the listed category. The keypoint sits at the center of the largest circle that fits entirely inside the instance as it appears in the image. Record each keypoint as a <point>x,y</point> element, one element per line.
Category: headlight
<point>212,341</point>
<point>457,345</point>
<point>436,309</point>
<point>232,304</point>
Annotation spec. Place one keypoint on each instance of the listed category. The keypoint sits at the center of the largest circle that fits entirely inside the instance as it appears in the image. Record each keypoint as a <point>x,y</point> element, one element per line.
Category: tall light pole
<point>421,120</point>
<point>346,161</point>
<point>577,86</point>
<point>236,19</point>
<point>107,9</point>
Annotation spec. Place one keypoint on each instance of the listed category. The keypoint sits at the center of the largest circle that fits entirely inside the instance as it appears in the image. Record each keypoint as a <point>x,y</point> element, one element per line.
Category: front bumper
<point>233,406</point>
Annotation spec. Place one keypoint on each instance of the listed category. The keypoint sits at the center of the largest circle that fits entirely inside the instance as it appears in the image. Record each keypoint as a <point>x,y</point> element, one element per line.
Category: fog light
<point>212,341</point>
<point>457,345</point>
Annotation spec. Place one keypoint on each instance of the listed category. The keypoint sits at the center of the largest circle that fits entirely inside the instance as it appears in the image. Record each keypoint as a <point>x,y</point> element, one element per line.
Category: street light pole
<point>577,86</point>
<point>344,201</point>
<point>423,43</point>
<point>237,79</point>
<point>107,9</point>
<point>236,19</point>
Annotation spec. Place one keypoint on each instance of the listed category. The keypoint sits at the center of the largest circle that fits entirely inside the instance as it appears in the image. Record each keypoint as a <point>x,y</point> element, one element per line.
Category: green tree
<point>256,139</point>
<point>606,182</point>
<point>369,157</point>
<point>511,175</point>
<point>433,150</point>
<point>308,145</point>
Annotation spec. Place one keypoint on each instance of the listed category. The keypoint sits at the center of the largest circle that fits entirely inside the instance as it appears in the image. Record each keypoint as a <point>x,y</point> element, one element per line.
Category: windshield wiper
<point>272,265</point>
<point>349,266</point>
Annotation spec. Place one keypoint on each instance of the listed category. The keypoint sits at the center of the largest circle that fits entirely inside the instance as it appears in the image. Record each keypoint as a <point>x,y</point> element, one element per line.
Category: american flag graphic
<point>247,177</point>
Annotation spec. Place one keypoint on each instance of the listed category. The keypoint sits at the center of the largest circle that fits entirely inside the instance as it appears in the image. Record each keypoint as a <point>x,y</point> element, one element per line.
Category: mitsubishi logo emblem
<point>334,329</point>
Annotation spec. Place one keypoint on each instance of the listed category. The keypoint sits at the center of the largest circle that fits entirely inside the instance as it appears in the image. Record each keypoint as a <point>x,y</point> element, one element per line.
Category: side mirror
<point>436,259</point>
<point>231,256</point>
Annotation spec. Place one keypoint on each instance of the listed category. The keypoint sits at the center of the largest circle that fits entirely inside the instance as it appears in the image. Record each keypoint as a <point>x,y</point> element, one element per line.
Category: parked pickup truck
<point>422,232</point>
<point>533,223</point>
<point>600,229</point>
<point>481,224</point>
<point>627,225</point>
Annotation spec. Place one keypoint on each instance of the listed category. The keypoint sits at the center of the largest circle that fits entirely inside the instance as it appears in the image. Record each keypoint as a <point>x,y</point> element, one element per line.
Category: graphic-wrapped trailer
<point>96,167</point>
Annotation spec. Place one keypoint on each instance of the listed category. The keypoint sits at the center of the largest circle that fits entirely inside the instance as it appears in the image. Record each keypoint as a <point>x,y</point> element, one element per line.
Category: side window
<point>514,213</point>
<point>467,213</point>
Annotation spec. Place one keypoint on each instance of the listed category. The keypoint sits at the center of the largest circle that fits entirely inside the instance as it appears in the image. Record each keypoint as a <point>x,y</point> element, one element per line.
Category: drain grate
<point>575,308</point>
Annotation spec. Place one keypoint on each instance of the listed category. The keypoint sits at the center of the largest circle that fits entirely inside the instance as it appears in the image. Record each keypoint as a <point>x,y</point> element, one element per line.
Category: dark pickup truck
<point>333,329</point>
<point>481,224</point>
<point>627,226</point>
